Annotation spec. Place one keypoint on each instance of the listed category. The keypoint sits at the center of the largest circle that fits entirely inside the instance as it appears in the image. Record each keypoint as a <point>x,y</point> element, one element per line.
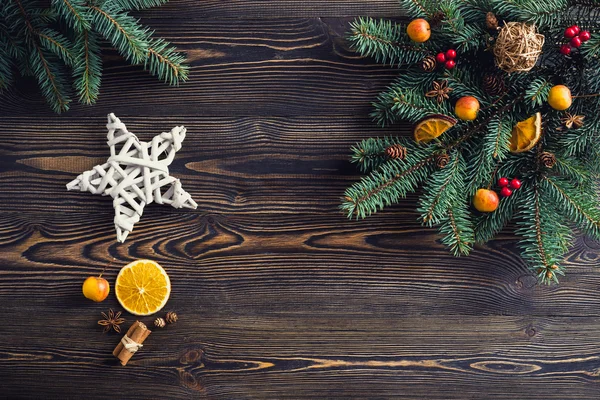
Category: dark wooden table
<point>279,295</point>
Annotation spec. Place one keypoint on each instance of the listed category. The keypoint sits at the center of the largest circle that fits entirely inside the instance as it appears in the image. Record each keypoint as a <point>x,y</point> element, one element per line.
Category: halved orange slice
<point>433,126</point>
<point>526,134</point>
<point>143,287</point>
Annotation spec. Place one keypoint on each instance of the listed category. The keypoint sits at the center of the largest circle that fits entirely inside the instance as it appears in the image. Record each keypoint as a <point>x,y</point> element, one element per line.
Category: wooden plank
<point>236,9</point>
<point>244,68</point>
<point>242,354</point>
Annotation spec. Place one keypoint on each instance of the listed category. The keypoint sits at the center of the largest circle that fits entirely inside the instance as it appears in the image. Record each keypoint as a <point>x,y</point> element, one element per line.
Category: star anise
<point>440,91</point>
<point>570,120</point>
<point>111,321</point>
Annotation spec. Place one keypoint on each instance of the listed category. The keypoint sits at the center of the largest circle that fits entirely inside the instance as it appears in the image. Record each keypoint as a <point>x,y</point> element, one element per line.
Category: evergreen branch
<point>74,12</point>
<point>164,62</point>
<point>385,41</point>
<point>123,31</point>
<point>57,44</point>
<point>139,4</point>
<point>370,153</point>
<point>440,190</point>
<point>48,78</point>
<point>576,205</point>
<point>88,71</point>
<point>457,229</point>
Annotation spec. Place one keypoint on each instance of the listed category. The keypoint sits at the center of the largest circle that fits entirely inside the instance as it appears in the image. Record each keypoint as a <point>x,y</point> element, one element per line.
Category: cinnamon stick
<point>136,334</point>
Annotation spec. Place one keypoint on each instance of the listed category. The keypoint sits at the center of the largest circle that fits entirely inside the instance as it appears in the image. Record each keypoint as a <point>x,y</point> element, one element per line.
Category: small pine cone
<point>493,85</point>
<point>547,159</point>
<point>491,21</point>
<point>429,64</point>
<point>436,18</point>
<point>171,317</point>
<point>396,151</point>
<point>160,322</point>
<point>441,160</point>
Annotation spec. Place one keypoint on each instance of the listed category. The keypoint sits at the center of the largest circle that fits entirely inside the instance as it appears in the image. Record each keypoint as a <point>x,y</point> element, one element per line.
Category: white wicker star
<point>136,174</point>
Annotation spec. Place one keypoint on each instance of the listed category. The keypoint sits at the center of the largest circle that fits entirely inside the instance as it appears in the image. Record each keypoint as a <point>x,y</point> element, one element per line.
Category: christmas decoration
<point>171,317</point>
<point>96,288</point>
<point>493,85</point>
<point>64,41</point>
<point>160,322</point>
<point>111,321</point>
<point>440,91</point>
<point>560,97</point>
<point>526,134</point>
<point>570,121</point>
<point>491,21</point>
<point>585,36</point>
<point>565,49</point>
<point>510,71</point>
<point>502,182</point>
<point>467,108</point>
<point>441,58</point>
<point>486,200</point>
<point>142,287</point>
<point>131,342</point>
<point>518,47</point>
<point>429,64</point>
<point>136,174</point>
<point>396,151</point>
<point>450,64</point>
<point>547,159</point>
<point>515,184</point>
<point>419,30</point>
<point>506,191</point>
<point>432,127</point>
<point>442,160</point>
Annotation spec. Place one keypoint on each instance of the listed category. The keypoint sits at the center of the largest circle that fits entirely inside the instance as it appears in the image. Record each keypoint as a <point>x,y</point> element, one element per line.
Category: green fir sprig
<point>59,45</point>
<point>559,174</point>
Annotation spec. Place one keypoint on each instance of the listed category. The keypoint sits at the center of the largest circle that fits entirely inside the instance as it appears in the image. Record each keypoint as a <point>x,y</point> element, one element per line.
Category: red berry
<point>450,64</point>
<point>585,36</point>
<point>440,58</point>
<point>565,49</point>
<point>506,192</point>
<point>576,29</point>
<point>515,183</point>
<point>576,42</point>
<point>502,182</point>
<point>451,54</point>
<point>570,33</point>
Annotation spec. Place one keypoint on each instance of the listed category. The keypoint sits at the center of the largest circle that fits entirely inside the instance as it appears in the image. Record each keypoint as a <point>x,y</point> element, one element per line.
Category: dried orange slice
<point>526,134</point>
<point>143,287</point>
<point>433,126</point>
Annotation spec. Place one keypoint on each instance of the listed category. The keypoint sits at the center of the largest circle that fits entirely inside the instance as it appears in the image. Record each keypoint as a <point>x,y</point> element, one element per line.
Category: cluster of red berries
<point>447,58</point>
<point>576,36</point>
<point>507,187</point>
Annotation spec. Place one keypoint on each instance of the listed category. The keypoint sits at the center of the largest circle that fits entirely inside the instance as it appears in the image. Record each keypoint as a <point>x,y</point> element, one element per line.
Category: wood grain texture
<point>279,295</point>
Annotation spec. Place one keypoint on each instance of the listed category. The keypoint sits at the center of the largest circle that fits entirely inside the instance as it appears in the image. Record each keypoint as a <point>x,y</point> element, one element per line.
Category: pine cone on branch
<point>396,151</point>
<point>429,64</point>
<point>441,160</point>
<point>547,159</point>
<point>494,85</point>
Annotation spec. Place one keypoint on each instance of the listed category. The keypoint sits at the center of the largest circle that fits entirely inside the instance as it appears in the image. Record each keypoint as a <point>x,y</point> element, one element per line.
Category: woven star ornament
<point>136,174</point>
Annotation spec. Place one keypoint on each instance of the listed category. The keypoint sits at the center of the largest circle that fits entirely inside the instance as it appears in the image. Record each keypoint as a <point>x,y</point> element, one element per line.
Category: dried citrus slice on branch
<point>526,134</point>
<point>143,287</point>
<point>433,126</point>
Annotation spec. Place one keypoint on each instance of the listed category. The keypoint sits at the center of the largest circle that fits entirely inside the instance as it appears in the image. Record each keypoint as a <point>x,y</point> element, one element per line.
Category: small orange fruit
<point>433,126</point>
<point>96,288</point>
<point>526,134</point>
<point>419,30</point>
<point>560,97</point>
<point>143,287</point>
<point>486,200</point>
<point>467,108</point>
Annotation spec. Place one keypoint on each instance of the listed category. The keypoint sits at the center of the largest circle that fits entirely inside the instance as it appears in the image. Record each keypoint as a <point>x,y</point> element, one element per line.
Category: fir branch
<point>370,153</point>
<point>457,229</point>
<point>166,63</point>
<point>74,12</point>
<point>88,70</point>
<point>139,4</point>
<point>122,30</point>
<point>57,44</point>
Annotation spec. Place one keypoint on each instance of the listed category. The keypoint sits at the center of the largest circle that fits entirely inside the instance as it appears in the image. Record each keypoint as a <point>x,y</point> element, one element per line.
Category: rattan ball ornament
<point>518,47</point>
